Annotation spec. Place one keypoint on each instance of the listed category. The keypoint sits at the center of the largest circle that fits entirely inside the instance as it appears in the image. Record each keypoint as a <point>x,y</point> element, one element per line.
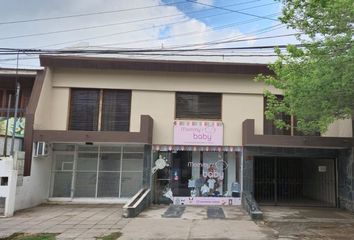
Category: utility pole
<point>7,123</point>
<point>15,119</point>
<point>16,109</point>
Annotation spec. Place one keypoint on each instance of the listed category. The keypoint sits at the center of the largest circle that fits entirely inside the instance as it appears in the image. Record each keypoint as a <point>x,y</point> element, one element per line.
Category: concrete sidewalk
<point>91,221</point>
<point>143,228</point>
<point>194,224</point>
<point>313,223</point>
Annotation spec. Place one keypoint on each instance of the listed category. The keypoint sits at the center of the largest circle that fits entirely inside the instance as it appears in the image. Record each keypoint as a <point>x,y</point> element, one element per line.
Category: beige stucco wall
<point>160,106</point>
<point>340,128</point>
<point>163,81</point>
<point>42,116</point>
<point>235,109</point>
<point>52,109</point>
<point>153,93</point>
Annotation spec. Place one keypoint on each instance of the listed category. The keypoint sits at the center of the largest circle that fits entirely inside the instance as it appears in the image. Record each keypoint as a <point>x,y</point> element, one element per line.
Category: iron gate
<point>294,181</point>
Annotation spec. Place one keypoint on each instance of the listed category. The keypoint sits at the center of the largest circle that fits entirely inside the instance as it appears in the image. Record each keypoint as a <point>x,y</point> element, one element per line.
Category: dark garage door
<point>294,181</point>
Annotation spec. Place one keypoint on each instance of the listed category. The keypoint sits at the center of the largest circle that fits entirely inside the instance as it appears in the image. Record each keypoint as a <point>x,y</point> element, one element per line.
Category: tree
<point>317,76</point>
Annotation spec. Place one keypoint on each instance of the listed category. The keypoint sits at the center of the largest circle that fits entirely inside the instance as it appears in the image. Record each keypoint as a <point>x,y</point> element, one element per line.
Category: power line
<point>232,10</point>
<point>24,50</point>
<point>143,29</point>
<point>91,14</point>
<point>184,34</point>
<point>103,12</point>
<point>97,26</point>
<point>234,38</point>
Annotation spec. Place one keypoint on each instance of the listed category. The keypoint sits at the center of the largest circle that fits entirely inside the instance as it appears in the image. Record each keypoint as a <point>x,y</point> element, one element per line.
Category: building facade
<point>193,132</point>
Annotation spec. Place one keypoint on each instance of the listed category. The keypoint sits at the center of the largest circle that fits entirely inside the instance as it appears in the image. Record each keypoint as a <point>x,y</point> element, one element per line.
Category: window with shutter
<point>198,105</point>
<point>84,109</point>
<point>116,110</point>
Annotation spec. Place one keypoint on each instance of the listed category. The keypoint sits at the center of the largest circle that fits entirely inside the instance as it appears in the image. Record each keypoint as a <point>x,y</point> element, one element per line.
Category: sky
<point>143,24</point>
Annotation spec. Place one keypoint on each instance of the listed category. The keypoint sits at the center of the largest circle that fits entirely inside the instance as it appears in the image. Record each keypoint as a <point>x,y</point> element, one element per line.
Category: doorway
<point>295,181</point>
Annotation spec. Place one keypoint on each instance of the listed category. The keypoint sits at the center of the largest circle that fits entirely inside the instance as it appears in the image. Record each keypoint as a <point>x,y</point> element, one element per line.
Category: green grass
<point>25,236</point>
<point>112,236</point>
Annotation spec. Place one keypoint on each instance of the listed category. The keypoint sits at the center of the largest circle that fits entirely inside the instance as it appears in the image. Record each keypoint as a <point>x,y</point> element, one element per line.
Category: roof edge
<point>152,65</point>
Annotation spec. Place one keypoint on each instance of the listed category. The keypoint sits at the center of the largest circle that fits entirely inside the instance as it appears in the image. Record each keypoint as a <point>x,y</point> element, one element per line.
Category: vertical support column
<point>275,181</point>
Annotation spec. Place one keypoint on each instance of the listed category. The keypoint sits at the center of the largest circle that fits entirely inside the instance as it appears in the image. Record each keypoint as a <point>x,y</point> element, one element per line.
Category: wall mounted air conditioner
<point>41,149</point>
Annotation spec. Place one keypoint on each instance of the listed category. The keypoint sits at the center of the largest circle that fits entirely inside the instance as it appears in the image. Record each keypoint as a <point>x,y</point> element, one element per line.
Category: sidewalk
<point>91,221</point>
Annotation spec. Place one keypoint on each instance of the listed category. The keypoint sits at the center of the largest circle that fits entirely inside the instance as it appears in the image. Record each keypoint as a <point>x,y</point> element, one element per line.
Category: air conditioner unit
<point>41,149</point>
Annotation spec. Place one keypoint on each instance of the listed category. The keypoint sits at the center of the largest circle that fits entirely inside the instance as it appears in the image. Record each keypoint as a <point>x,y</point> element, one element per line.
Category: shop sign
<point>198,133</point>
<point>206,201</point>
<point>19,129</point>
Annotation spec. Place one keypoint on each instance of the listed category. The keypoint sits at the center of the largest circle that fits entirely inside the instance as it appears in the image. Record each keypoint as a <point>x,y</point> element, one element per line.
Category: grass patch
<point>112,236</point>
<point>25,236</point>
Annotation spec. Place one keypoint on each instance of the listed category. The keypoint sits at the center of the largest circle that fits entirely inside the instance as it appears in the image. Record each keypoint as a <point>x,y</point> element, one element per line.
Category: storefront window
<point>97,171</point>
<point>194,177</point>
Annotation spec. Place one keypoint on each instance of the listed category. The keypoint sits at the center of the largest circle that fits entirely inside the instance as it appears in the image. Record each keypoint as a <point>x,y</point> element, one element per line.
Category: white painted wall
<point>35,188</point>
<point>17,147</point>
<point>8,192</point>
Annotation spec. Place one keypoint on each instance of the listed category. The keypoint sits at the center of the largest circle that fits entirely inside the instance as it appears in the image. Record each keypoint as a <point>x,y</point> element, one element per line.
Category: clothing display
<point>205,190</point>
<point>211,183</point>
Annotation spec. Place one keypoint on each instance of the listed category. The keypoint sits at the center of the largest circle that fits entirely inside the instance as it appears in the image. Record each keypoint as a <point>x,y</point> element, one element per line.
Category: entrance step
<point>174,211</point>
<point>137,203</point>
<point>215,213</point>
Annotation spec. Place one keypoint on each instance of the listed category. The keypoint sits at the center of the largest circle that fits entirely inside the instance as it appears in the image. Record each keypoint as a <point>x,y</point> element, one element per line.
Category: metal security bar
<point>294,181</point>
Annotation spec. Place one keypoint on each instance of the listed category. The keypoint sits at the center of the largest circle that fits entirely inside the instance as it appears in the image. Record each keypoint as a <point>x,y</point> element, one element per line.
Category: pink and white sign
<point>198,133</point>
<point>206,201</point>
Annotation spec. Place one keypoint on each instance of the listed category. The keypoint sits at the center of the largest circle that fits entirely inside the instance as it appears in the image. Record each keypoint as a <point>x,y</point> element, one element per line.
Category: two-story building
<point>193,132</point>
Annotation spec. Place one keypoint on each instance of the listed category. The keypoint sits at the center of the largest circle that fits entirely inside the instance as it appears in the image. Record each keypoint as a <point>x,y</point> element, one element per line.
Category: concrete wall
<point>35,188</point>
<point>7,169</point>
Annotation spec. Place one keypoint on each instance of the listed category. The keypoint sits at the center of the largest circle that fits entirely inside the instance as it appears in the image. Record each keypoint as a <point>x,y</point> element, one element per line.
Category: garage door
<point>295,181</point>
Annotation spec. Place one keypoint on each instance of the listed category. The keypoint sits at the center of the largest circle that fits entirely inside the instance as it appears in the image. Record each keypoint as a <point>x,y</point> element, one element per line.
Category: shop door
<point>181,173</point>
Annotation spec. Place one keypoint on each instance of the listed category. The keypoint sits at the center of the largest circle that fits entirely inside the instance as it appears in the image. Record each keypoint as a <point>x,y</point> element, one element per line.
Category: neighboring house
<point>8,79</point>
<point>106,121</point>
<point>8,168</point>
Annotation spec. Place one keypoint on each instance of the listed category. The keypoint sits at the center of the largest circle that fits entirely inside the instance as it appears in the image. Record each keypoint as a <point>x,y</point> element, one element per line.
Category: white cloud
<point>194,31</point>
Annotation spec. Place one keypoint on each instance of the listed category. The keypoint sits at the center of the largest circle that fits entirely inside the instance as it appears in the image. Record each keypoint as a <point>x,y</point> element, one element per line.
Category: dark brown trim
<point>144,136</point>
<point>30,111</point>
<point>152,65</point>
<point>250,139</point>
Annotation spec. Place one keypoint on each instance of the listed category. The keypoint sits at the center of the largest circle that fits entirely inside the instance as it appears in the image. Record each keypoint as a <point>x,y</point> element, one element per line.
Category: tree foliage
<point>316,78</point>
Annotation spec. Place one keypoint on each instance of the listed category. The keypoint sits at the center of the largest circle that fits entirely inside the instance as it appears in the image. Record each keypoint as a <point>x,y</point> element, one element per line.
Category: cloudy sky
<point>145,24</point>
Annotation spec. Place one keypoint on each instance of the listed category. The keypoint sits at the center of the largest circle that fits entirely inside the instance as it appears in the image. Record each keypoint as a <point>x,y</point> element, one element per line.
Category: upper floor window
<point>269,126</point>
<point>198,105</point>
<point>25,94</point>
<point>95,110</point>
<point>290,120</point>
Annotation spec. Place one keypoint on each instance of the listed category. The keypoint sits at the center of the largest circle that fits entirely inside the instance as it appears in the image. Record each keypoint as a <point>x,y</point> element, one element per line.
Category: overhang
<point>250,139</point>
<point>152,65</point>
